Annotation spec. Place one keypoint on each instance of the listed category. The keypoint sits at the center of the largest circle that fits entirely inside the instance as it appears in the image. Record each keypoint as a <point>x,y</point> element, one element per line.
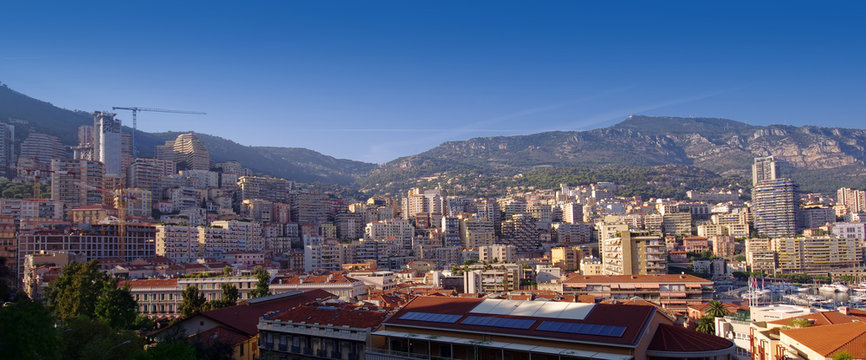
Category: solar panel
<point>583,329</point>
<point>432,317</point>
<point>498,322</point>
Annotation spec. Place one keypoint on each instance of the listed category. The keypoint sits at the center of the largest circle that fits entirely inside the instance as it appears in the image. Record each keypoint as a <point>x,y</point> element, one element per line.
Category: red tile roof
<point>353,317</point>
<point>632,317</point>
<point>826,318</point>
<point>679,339</point>
<point>245,317</point>
<point>219,334</point>
<point>829,339</point>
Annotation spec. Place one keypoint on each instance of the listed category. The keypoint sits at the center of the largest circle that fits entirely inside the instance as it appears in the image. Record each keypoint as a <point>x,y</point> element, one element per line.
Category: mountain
<point>298,164</point>
<point>819,159</point>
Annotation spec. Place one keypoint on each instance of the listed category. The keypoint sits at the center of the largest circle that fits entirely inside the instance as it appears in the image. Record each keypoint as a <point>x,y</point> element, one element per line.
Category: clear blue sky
<point>371,81</point>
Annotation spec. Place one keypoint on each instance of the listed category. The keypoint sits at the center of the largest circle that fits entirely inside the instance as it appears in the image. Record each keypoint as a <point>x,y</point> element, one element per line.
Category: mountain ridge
<point>32,115</point>
<point>819,158</point>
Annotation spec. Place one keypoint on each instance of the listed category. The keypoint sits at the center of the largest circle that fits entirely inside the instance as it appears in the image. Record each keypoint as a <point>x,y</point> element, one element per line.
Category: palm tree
<point>706,325</point>
<point>716,309</point>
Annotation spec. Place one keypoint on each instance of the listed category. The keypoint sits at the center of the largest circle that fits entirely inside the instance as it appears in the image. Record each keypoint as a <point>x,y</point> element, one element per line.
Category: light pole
<point>115,346</point>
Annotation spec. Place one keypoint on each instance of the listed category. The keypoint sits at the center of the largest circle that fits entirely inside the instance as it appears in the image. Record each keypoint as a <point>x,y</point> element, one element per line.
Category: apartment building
<point>629,254</point>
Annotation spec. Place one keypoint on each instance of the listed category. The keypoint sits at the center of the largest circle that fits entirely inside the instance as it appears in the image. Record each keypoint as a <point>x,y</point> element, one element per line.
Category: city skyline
<point>407,77</point>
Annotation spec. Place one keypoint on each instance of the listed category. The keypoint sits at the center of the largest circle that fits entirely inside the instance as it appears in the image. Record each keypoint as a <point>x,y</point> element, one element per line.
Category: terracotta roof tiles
<point>679,339</point>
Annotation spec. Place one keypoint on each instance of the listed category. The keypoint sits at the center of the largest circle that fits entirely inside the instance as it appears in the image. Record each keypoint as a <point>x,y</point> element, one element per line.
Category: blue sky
<point>372,81</point>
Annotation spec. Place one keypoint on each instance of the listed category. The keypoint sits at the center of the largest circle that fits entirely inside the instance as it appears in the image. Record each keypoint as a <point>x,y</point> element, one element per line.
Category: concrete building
<point>148,174</point>
<point>187,151</point>
<point>565,233</point>
<point>566,258</point>
<point>764,169</point>
<point>318,331</point>
<point>107,143</point>
<point>675,292</point>
<point>497,253</point>
<point>849,230</point>
<point>43,148</point>
<point>310,207</point>
<point>816,217</point>
<point>677,223</point>
<point>475,232</point>
<point>265,188</point>
<point>774,204</point>
<point>760,255</point>
<point>178,243</point>
<point>633,255</point>
<point>76,182</point>
<point>723,246</point>
<point>7,151</point>
<point>854,201</point>
<point>100,242</point>
<point>814,253</point>
<point>138,202</point>
<point>435,327</point>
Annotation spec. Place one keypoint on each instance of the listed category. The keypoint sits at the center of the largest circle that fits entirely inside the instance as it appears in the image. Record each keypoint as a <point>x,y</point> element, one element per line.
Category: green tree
<point>115,306</point>
<point>27,332</point>
<point>716,309</point>
<point>799,323</point>
<point>76,290</point>
<point>706,325</point>
<point>842,355</point>
<point>262,285</point>
<point>229,297</point>
<point>193,301</point>
<point>227,270</point>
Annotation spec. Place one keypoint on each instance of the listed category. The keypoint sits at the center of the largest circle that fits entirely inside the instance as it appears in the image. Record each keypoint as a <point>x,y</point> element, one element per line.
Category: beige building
<point>475,232</point>
<point>633,255</point>
<point>566,258</point>
<point>760,255</point>
<point>816,253</point>
<point>496,253</point>
<point>187,151</point>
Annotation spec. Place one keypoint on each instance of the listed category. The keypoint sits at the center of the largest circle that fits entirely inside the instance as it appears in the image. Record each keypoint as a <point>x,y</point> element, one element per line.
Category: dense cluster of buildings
<point>617,274</point>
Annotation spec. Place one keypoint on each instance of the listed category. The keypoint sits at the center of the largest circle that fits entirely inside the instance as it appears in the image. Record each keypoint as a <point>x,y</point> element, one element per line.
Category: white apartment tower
<point>108,143</point>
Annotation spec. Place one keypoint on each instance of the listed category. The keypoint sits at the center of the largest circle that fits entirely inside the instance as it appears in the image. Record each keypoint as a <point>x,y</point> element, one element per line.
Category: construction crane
<point>135,111</point>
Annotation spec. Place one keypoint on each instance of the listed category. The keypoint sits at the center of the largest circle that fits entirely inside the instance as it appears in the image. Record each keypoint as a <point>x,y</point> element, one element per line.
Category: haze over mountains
<point>820,159</point>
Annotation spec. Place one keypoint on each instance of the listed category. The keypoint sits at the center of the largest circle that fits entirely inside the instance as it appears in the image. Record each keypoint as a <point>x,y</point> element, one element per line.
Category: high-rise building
<point>760,255</point>
<point>633,255</point>
<point>572,213</point>
<point>774,204</point>
<point>265,188</point>
<point>7,153</point>
<point>853,200</point>
<point>148,174</point>
<point>43,148</point>
<point>187,151</point>
<point>310,207</point>
<point>476,232</point>
<point>138,202</point>
<point>76,182</point>
<point>451,231</point>
<point>108,143</point>
<point>764,168</point>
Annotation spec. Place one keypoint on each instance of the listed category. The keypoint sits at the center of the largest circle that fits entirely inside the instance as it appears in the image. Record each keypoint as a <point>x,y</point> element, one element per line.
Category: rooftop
<point>607,279</point>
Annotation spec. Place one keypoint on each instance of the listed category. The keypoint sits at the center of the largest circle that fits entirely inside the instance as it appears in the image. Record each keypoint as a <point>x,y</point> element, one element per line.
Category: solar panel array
<point>432,317</point>
<point>583,329</point>
<point>498,322</point>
